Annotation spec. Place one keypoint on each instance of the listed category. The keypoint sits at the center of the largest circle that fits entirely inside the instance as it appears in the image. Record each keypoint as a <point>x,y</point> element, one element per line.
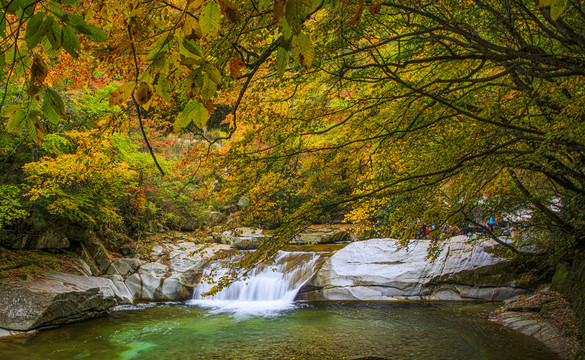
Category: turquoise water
<point>307,331</point>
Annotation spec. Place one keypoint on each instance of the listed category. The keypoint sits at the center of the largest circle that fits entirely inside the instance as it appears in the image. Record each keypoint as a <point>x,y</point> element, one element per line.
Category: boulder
<point>157,250</point>
<point>83,267</point>
<point>380,269</point>
<point>248,242</point>
<point>123,267</point>
<point>244,201</point>
<point>87,259</point>
<point>57,298</point>
<point>50,239</point>
<point>153,287</point>
<point>98,253</point>
<point>173,275</point>
<point>322,236</point>
<point>214,218</point>
<point>181,261</point>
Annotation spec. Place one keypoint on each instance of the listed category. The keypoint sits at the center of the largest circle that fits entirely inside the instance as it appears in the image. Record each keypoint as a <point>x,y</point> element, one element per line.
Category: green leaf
<point>210,19</point>
<point>56,9</point>
<point>17,121</point>
<point>556,8</point>
<point>162,88</point>
<point>92,32</point>
<point>285,28</point>
<point>53,53</point>
<point>160,48</point>
<point>35,128</point>
<point>263,4</point>
<point>74,20</point>
<point>281,61</point>
<point>302,50</point>
<point>33,35</point>
<point>95,34</point>
<point>191,49</point>
<point>54,35</point>
<point>53,107</point>
<point>213,73</point>
<point>13,6</point>
<point>296,12</point>
<point>29,8</point>
<point>9,110</point>
<point>46,25</point>
<point>70,41</point>
<point>20,57</point>
<point>209,87</point>
<point>194,112</point>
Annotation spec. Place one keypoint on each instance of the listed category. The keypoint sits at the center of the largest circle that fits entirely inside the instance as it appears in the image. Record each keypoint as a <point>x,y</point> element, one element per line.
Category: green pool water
<point>306,331</point>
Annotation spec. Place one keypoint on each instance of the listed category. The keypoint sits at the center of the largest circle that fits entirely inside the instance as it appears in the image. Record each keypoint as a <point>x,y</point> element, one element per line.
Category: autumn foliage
<point>369,112</point>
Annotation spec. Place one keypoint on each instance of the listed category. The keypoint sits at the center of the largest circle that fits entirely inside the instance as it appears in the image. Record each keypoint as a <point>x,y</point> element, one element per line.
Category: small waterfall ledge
<point>267,291</point>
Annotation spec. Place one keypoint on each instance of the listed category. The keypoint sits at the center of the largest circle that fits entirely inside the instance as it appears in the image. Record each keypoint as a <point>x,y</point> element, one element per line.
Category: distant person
<point>423,231</point>
<point>491,224</point>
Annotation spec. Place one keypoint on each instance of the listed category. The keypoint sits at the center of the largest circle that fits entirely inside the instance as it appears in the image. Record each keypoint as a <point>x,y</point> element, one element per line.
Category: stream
<point>331,330</point>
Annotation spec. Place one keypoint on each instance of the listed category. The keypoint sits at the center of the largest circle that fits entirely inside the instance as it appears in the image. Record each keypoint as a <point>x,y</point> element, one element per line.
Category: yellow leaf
<point>122,93</point>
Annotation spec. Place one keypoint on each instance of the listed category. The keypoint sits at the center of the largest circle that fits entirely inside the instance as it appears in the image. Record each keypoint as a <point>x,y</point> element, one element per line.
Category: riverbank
<point>545,315</point>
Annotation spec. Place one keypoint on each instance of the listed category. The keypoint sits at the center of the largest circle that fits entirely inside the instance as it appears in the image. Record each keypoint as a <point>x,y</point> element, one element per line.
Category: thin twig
<point>138,106</point>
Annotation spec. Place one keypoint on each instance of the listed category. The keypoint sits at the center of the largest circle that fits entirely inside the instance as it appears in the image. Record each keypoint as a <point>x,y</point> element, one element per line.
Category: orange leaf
<point>236,65</point>
<point>209,106</point>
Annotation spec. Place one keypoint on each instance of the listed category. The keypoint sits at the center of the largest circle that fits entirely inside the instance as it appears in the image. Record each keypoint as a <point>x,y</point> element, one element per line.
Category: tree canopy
<point>390,112</point>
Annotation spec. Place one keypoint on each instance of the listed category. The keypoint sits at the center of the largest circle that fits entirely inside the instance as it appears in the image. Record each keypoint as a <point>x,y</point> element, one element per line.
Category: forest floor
<point>30,264</point>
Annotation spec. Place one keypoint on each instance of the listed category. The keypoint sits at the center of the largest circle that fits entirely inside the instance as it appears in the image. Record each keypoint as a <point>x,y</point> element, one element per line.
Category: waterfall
<point>268,289</point>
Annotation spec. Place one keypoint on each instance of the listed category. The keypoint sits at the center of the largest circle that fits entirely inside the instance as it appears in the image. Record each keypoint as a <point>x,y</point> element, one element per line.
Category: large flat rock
<point>380,269</point>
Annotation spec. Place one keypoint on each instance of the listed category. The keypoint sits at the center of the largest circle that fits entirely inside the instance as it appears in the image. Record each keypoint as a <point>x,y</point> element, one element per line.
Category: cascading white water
<point>267,290</point>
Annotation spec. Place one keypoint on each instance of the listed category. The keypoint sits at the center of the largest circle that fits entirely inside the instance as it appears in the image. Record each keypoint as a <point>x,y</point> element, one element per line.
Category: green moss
<point>560,277</point>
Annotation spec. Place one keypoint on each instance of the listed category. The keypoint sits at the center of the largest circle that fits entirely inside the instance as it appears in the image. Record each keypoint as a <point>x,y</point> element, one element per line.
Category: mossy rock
<point>569,279</point>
